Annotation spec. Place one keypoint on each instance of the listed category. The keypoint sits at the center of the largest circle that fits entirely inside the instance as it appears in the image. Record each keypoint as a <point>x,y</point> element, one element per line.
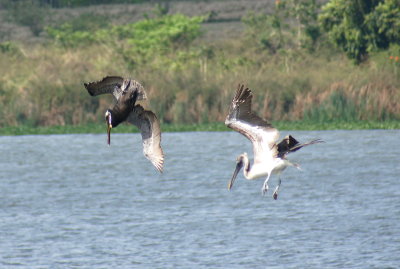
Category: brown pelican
<point>269,156</point>
<point>126,92</point>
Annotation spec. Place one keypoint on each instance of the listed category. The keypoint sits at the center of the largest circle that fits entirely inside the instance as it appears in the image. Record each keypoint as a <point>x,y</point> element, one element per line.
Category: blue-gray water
<point>69,201</point>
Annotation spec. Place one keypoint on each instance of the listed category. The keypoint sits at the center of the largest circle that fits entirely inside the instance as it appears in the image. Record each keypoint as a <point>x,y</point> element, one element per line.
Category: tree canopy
<point>359,27</point>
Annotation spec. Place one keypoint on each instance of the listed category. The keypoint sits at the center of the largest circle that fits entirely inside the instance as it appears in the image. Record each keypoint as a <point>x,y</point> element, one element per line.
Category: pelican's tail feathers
<point>289,144</point>
<point>299,146</point>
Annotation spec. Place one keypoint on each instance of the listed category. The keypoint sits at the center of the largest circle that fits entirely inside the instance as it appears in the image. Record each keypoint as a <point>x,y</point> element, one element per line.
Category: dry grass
<point>43,85</point>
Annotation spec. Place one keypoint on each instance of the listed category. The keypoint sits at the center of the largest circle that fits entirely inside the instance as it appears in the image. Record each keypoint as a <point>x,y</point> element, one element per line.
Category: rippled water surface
<point>70,201</point>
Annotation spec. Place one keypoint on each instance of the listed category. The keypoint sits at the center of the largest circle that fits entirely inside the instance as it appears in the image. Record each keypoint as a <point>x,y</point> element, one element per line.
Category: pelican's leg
<point>264,188</point>
<point>275,195</point>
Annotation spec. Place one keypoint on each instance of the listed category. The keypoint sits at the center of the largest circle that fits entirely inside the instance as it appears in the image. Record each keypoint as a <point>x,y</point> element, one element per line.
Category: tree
<point>359,27</point>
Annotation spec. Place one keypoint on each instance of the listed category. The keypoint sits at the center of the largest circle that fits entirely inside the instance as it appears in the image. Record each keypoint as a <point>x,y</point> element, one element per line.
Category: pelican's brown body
<point>126,92</point>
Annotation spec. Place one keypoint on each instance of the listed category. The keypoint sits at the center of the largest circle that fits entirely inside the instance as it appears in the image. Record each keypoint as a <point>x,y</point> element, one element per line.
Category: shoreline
<point>205,127</point>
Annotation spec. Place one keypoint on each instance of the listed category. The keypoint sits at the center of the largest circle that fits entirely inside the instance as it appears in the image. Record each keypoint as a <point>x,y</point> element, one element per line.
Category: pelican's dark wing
<point>289,144</point>
<point>111,85</point>
<point>149,127</point>
<point>260,132</point>
<point>286,145</point>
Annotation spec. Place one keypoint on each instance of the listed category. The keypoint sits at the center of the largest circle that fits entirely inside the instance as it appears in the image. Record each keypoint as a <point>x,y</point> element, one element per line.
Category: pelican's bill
<point>239,166</point>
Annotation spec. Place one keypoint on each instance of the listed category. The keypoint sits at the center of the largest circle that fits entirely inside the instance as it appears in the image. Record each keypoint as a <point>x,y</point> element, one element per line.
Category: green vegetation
<point>100,128</point>
<point>207,127</point>
<point>361,27</point>
<point>151,36</point>
<point>299,79</point>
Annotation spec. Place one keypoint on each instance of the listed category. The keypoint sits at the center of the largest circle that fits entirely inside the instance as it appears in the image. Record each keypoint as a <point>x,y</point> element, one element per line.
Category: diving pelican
<point>269,156</point>
<point>126,92</point>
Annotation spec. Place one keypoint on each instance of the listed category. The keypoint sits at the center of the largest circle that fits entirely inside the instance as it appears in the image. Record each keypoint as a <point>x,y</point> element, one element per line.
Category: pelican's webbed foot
<point>275,195</point>
<point>264,189</point>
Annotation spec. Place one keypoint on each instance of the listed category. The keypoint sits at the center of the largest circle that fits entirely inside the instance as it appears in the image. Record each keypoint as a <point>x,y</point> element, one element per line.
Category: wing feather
<point>149,126</point>
<point>290,144</point>
<point>108,85</point>
<point>259,131</point>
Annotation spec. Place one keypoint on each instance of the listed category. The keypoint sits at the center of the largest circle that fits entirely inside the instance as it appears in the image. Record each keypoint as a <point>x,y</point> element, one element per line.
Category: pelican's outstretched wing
<point>149,127</point>
<point>111,85</point>
<point>260,132</point>
<point>117,86</point>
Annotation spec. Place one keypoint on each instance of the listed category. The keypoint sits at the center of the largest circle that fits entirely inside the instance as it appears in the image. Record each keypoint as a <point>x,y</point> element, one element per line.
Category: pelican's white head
<point>241,157</point>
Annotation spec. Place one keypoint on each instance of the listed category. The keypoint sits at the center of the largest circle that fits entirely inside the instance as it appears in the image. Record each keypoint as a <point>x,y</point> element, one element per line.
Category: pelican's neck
<point>246,165</point>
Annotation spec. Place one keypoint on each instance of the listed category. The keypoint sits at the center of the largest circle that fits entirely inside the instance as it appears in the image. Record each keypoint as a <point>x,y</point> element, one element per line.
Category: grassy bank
<point>44,86</point>
<point>189,81</point>
<point>210,127</point>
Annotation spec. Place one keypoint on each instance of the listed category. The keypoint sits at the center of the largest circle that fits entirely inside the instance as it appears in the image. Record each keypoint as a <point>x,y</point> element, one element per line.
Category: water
<point>69,201</point>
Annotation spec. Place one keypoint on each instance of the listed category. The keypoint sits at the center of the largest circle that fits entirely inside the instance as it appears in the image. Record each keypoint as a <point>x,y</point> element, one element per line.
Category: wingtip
<point>316,141</point>
<point>160,167</point>
<point>159,164</point>
<point>86,84</point>
<point>242,93</point>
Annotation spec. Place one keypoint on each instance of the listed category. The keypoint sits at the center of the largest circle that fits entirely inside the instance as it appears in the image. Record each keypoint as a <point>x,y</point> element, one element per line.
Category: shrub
<point>360,27</point>
<point>144,38</point>
<point>11,48</point>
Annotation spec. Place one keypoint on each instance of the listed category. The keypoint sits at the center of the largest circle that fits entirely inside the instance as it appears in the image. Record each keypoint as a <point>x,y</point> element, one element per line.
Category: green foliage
<point>209,127</point>
<point>337,124</point>
<point>9,47</point>
<point>192,82</point>
<point>383,25</point>
<point>83,30</point>
<point>66,36</point>
<point>360,27</point>
<point>144,38</point>
<point>160,35</point>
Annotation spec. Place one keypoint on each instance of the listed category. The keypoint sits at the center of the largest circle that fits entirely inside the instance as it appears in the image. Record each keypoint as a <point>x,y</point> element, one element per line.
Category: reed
<point>42,85</point>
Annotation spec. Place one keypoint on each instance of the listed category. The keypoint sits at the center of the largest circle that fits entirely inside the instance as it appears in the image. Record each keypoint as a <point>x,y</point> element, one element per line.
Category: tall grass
<point>44,86</point>
<point>194,84</point>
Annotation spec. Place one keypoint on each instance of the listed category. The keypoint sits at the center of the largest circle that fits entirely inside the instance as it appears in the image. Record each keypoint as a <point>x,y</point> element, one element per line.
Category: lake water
<point>70,201</point>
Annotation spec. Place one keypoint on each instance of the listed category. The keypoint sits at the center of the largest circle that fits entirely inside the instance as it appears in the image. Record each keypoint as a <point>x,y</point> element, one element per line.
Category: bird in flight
<point>126,92</point>
<point>269,156</point>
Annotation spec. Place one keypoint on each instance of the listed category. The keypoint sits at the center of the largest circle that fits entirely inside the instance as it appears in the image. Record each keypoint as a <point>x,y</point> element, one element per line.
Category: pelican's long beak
<point>239,165</point>
<point>109,126</point>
